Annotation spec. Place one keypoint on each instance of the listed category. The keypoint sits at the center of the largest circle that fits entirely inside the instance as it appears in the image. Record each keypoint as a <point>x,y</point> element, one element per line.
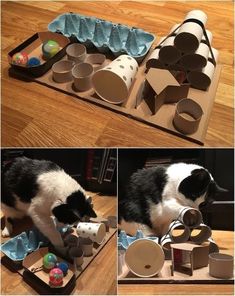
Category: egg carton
<point>104,35</point>
<point>125,240</point>
<point>18,247</point>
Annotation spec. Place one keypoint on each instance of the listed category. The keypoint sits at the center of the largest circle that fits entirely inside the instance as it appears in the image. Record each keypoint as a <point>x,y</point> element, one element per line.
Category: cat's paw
<point>6,232</point>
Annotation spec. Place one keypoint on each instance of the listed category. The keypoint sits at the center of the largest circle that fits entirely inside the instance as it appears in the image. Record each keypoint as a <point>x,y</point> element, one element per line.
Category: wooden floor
<point>225,241</point>
<point>98,279</point>
<point>33,115</point>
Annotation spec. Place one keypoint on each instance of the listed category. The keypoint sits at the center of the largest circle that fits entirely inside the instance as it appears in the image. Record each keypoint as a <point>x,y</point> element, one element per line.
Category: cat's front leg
<point>47,227</point>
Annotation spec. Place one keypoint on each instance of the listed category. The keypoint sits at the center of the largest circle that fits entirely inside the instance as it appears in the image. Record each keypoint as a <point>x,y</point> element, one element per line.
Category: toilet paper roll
<point>153,61</point>
<point>201,79</point>
<point>188,37</point>
<point>179,233</point>
<point>203,233</point>
<point>82,74</point>
<point>62,71</point>
<point>113,82</point>
<point>209,35</point>
<point>166,242</point>
<point>221,265</point>
<point>215,54</point>
<point>144,257</point>
<point>190,217</point>
<point>95,231</point>
<point>187,116</point>
<point>198,15</point>
<point>168,53</point>
<point>76,52</point>
<point>76,253</point>
<point>86,245</point>
<point>196,60</point>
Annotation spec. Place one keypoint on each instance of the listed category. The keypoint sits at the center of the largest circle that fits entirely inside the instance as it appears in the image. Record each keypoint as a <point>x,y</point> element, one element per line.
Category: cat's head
<point>200,187</point>
<point>76,207</point>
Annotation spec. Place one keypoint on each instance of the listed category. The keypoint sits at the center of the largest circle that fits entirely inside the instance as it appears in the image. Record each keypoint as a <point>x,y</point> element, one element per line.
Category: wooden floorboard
<point>36,116</point>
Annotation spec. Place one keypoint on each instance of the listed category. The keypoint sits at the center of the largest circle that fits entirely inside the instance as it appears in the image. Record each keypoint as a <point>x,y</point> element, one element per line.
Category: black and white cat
<point>41,189</point>
<point>155,196</point>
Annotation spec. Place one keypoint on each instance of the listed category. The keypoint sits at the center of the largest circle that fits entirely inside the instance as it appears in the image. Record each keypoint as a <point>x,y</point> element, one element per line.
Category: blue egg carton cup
<point>104,35</point>
<point>18,247</point>
<point>125,240</point>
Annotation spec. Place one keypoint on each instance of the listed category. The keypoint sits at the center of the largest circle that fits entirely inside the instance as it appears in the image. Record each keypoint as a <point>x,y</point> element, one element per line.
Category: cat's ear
<point>90,212</point>
<point>196,184</point>
<point>64,214</point>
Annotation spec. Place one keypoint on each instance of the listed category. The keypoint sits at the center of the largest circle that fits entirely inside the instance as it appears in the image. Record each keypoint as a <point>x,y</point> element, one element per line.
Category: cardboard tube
<point>213,247</point>
<point>179,238</point>
<point>188,37</point>
<point>221,265</point>
<point>144,257</point>
<point>76,253</point>
<point>202,79</point>
<point>203,234</point>
<point>198,15</point>
<point>196,60</point>
<point>216,56</point>
<point>112,221</point>
<point>82,74</point>
<point>166,242</point>
<point>97,60</point>
<point>113,82</point>
<point>76,52</point>
<point>153,61</point>
<point>190,217</point>
<point>62,71</point>
<point>168,53</point>
<point>95,231</point>
<point>209,35</point>
<point>87,246</point>
<point>193,111</point>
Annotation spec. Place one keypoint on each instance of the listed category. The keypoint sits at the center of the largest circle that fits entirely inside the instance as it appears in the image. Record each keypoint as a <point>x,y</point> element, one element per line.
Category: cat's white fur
<point>54,187</point>
<point>173,202</point>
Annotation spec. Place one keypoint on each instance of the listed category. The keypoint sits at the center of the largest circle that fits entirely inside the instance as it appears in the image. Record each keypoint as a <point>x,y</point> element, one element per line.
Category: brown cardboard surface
<point>200,276</point>
<point>138,109</point>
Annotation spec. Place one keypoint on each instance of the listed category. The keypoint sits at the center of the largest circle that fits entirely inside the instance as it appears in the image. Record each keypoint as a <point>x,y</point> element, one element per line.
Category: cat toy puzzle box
<point>80,252</point>
<point>161,90</point>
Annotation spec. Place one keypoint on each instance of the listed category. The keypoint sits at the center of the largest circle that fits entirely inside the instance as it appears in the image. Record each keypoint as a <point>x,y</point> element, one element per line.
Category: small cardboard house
<point>161,87</point>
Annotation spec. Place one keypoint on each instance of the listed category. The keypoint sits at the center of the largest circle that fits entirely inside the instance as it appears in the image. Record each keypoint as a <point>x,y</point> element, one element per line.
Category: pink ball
<point>20,58</point>
<point>56,277</point>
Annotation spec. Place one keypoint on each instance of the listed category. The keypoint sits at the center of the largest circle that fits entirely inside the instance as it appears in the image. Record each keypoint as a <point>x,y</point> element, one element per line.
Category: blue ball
<point>63,266</point>
<point>32,62</point>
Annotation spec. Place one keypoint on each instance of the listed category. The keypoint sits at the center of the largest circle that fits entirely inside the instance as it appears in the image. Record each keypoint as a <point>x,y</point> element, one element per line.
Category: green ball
<point>49,49</point>
<point>49,261</point>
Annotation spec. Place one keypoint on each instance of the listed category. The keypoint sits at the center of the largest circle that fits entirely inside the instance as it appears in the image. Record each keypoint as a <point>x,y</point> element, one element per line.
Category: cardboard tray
<point>200,276</point>
<point>163,119</point>
<point>38,280</point>
<point>33,47</point>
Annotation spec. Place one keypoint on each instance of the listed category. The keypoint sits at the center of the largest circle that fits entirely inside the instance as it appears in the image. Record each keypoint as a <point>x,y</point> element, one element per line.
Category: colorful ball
<point>49,261</point>
<point>20,58</point>
<point>49,49</point>
<point>32,62</point>
<point>56,277</point>
<point>63,266</point>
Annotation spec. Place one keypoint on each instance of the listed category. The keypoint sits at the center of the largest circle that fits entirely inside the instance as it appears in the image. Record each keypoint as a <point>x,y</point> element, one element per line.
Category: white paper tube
<point>144,257</point>
<point>153,61</point>
<point>202,79</point>
<point>196,60</point>
<point>216,55</point>
<point>179,233</point>
<point>166,242</point>
<point>204,233</point>
<point>95,231</point>
<point>198,15</point>
<point>168,53</point>
<point>113,82</point>
<point>209,35</point>
<point>188,37</point>
<point>190,217</point>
